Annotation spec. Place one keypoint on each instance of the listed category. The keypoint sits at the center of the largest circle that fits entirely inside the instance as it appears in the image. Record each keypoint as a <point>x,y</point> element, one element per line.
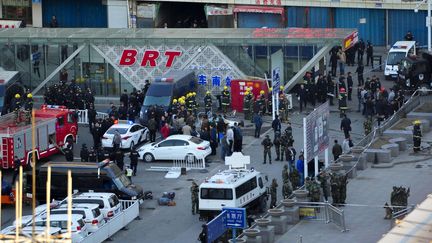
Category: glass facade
<point>46,58</point>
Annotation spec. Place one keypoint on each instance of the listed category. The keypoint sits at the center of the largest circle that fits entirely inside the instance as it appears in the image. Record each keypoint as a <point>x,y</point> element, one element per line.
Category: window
<point>260,183</point>
<point>121,130</point>
<point>180,143</point>
<point>73,212</point>
<point>96,212</point>
<point>196,140</point>
<point>246,187</point>
<point>90,201</point>
<point>60,121</point>
<point>113,200</point>
<point>216,193</point>
<point>166,143</point>
<point>70,118</point>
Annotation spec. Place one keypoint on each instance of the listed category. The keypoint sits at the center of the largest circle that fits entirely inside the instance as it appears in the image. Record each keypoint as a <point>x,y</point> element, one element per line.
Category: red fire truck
<point>54,127</point>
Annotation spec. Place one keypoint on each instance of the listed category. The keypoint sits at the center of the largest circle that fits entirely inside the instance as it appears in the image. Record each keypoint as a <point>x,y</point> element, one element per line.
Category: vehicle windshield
<point>395,57</point>
<point>122,181</point>
<point>404,65</point>
<point>157,100</point>
<point>121,130</point>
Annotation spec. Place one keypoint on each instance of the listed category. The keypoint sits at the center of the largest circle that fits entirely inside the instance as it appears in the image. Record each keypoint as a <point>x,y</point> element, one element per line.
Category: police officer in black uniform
<point>134,155</point>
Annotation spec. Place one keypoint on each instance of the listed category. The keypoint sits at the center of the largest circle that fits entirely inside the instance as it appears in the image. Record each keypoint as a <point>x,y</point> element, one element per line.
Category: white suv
<point>92,216</point>
<point>109,204</point>
<point>78,227</point>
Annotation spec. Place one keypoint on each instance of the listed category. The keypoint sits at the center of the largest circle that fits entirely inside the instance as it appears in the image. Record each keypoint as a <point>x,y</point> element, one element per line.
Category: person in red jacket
<point>165,130</point>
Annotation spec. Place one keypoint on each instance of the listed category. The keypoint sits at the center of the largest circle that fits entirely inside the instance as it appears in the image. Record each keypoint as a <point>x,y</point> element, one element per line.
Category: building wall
<point>401,21</point>
<point>309,17</point>
<point>258,20</point>
<point>373,29</point>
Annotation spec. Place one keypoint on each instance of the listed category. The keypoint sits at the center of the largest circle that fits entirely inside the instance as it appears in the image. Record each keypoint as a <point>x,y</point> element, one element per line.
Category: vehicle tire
<point>30,161</point>
<point>190,158</point>
<point>148,157</point>
<point>423,89</point>
<point>262,204</point>
<point>132,145</point>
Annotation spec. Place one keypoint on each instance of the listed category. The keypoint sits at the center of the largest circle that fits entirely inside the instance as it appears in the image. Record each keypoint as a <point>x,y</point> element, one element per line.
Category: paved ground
<point>176,224</point>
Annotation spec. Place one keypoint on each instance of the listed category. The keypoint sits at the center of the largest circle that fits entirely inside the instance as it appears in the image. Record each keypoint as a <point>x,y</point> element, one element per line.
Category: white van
<point>399,50</point>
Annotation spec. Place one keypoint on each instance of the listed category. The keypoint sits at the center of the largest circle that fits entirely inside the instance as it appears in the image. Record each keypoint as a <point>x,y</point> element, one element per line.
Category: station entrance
<point>181,15</point>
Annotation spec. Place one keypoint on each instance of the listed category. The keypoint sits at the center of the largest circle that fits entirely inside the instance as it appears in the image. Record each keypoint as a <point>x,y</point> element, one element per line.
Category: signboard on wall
<point>218,10</point>
<point>316,131</point>
<point>138,63</point>
<point>350,40</point>
<point>146,11</point>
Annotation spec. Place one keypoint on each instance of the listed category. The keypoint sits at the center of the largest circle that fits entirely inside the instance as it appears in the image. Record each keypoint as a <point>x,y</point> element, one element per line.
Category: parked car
<point>131,134</point>
<point>28,232</point>
<point>109,205</point>
<point>92,216</point>
<point>175,147</point>
<point>78,227</point>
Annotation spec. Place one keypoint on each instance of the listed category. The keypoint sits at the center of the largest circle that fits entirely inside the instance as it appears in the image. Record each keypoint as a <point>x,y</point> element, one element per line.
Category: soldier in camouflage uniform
<point>343,181</point>
<point>323,179</point>
<point>285,173</point>
<point>315,191</point>
<point>273,193</point>
<point>334,183</point>
<point>367,125</point>
<point>194,196</point>
<point>267,144</point>
<point>262,102</point>
<point>294,178</point>
<point>287,188</point>
<point>284,147</point>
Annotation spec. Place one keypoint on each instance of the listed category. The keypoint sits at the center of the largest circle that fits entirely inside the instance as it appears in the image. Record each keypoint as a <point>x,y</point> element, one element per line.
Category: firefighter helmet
<point>29,95</point>
<point>17,96</point>
<point>417,122</point>
<point>262,92</point>
<point>208,92</point>
<point>225,88</point>
<point>174,101</point>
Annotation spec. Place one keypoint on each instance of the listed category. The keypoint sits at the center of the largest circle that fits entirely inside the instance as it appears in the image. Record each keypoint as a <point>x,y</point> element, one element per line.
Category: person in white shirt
<point>346,149</point>
<point>230,139</point>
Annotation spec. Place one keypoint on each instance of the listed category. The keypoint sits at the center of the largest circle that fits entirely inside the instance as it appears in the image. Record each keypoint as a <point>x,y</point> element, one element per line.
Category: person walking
<point>152,127</point>
<point>276,125</point>
<point>359,71</point>
<point>17,164</point>
<point>369,54</point>
<point>84,153</point>
<point>257,119</point>
<point>134,155</point>
<point>302,97</point>
<point>345,125</point>
<point>213,139</point>
<point>346,149</point>
<point>165,130</point>
<point>128,172</point>
<point>116,140</point>
<point>277,144</point>
<point>119,159</point>
<point>336,150</point>
<point>230,140</point>
<point>267,144</point>
<point>350,85</point>
<point>194,197</point>
<point>68,154</point>
<point>300,168</point>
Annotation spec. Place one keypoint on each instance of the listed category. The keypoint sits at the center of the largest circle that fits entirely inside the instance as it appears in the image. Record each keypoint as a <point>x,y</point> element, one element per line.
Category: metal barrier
<point>400,214</point>
<point>130,211</point>
<point>336,216</point>
<point>313,211</point>
<point>190,162</point>
<point>83,116</point>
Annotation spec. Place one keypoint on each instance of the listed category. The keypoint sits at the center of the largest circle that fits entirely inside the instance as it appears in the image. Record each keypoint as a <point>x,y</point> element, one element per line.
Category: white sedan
<point>131,135</point>
<point>175,147</point>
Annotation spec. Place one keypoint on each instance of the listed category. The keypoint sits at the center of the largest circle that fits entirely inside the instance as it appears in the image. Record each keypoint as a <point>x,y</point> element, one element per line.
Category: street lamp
<point>428,20</point>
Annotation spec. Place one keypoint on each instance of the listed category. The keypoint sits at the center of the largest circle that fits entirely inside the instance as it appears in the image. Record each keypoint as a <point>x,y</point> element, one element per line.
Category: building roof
<point>221,36</point>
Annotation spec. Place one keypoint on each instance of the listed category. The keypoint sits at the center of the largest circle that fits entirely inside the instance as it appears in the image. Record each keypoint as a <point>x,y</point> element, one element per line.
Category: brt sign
<point>149,58</point>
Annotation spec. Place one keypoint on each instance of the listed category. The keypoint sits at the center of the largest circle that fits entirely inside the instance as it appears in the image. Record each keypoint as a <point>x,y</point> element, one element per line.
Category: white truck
<point>398,51</point>
<point>237,187</point>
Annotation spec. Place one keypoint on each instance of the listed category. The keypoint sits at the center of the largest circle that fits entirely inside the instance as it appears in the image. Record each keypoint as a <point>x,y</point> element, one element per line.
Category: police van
<point>236,187</point>
<point>399,50</point>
